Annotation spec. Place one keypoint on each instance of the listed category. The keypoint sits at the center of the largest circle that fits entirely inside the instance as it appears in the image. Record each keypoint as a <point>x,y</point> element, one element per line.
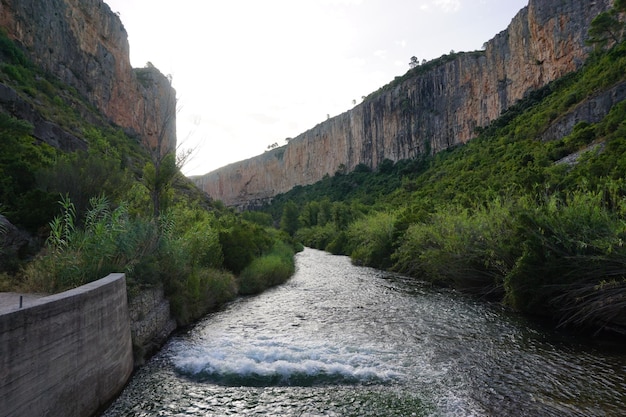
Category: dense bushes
<point>268,270</point>
<point>502,217</point>
<point>202,290</point>
<point>242,242</point>
<point>371,239</point>
<point>572,251</point>
<point>118,212</point>
<point>468,249</point>
<point>109,241</point>
<point>182,251</point>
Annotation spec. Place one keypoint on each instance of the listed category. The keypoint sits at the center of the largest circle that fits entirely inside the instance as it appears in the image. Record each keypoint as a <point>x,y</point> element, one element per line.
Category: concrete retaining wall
<point>67,354</point>
<point>150,322</point>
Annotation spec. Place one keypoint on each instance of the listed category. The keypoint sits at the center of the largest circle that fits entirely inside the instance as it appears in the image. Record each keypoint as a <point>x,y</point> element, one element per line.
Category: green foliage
<point>569,248</point>
<point>85,175</point>
<point>257,217</point>
<point>203,245</point>
<point>241,242</point>
<point>605,28</point>
<point>289,221</point>
<point>63,228</point>
<point>158,178</point>
<point>503,217</point>
<point>317,236</point>
<point>20,160</point>
<point>202,290</point>
<point>472,250</point>
<point>109,242</point>
<point>371,239</point>
<point>10,52</point>
<point>269,270</point>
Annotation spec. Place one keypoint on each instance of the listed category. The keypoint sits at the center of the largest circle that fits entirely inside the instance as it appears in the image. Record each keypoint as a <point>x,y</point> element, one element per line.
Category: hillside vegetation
<point>113,206</point>
<point>504,217</point>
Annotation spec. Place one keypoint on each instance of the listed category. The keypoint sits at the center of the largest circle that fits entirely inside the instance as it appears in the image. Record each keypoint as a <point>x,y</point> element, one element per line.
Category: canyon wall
<point>431,108</point>
<point>84,44</point>
<point>67,354</point>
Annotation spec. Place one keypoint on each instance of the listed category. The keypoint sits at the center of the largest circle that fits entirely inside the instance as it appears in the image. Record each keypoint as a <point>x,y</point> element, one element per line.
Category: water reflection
<point>339,340</point>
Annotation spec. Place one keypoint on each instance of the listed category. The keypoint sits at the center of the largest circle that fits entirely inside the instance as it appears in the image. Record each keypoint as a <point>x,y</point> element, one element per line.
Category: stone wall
<point>150,322</point>
<point>431,109</point>
<point>67,354</point>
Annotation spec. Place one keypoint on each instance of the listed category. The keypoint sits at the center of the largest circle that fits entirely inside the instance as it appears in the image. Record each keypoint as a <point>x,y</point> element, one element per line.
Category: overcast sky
<point>250,73</point>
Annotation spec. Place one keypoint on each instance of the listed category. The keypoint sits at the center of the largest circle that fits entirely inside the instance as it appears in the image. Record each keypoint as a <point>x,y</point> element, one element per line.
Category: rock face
<point>14,244</point>
<point>432,108</point>
<point>85,45</point>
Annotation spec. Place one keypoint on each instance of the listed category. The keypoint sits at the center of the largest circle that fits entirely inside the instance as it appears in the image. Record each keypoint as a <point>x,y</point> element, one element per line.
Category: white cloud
<point>448,6</point>
<point>381,53</point>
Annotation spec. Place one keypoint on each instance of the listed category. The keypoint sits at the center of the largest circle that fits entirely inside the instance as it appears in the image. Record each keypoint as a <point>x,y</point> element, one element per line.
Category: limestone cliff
<point>431,108</point>
<point>85,45</point>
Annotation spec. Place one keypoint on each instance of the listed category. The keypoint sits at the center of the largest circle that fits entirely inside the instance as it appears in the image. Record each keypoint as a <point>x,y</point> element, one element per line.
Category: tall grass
<point>202,290</point>
<point>573,261</point>
<point>269,270</point>
<point>371,239</point>
<point>472,250</point>
<point>109,241</point>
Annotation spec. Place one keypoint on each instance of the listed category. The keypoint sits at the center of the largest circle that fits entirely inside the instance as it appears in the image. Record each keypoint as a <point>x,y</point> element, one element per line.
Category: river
<point>342,340</point>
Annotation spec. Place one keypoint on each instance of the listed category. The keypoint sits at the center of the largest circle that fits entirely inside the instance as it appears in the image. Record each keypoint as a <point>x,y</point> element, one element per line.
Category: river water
<point>341,340</point>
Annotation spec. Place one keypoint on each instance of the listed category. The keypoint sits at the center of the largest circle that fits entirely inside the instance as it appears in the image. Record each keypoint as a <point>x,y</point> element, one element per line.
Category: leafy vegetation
<point>119,207</point>
<point>503,217</point>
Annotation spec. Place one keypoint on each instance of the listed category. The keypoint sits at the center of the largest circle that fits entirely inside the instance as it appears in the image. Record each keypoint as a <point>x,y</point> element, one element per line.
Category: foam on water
<point>269,362</point>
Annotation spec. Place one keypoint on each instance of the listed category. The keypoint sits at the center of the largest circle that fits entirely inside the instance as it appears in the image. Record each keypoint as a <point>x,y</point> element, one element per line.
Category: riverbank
<point>338,340</point>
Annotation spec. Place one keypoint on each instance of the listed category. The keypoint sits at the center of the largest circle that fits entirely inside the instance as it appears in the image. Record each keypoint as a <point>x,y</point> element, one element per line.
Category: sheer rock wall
<point>85,45</point>
<point>438,107</point>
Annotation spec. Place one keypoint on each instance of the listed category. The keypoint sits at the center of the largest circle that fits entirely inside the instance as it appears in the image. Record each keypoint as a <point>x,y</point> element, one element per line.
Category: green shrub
<point>583,134</point>
<point>200,291</point>
<point>241,242</point>
<point>371,240</point>
<point>472,250</point>
<point>110,241</point>
<point>203,245</point>
<point>267,271</point>
<point>573,251</point>
<point>317,237</point>
<point>339,245</point>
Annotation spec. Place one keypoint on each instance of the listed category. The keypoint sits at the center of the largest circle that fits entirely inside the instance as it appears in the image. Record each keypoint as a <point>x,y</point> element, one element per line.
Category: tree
<point>161,170</point>
<point>606,29</point>
<point>414,62</point>
<point>289,221</point>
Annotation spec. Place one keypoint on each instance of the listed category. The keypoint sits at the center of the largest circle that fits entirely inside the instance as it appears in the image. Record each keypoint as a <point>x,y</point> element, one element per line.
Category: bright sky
<point>250,73</point>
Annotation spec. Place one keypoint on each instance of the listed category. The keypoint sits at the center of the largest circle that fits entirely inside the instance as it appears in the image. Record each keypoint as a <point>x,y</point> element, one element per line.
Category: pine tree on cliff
<point>608,27</point>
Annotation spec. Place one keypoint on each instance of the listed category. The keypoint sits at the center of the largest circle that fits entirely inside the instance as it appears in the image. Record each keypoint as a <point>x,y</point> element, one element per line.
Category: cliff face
<point>85,45</point>
<point>430,111</point>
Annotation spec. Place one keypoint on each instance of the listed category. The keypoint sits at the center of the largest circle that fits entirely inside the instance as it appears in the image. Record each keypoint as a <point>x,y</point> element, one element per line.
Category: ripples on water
<point>340,340</point>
